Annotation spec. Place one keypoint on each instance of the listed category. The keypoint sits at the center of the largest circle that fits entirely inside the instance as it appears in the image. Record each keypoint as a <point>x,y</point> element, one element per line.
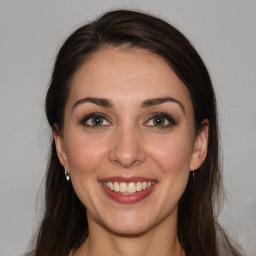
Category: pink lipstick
<point>127,190</point>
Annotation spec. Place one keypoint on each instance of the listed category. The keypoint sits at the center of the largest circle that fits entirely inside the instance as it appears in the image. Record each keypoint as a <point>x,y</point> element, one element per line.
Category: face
<point>129,141</point>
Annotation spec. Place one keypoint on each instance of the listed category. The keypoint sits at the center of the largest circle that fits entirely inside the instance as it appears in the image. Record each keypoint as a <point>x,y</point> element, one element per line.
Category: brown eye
<point>95,120</point>
<point>161,120</point>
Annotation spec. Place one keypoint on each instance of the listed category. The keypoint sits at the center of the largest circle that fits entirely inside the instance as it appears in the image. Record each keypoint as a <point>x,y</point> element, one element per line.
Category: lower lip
<point>127,199</point>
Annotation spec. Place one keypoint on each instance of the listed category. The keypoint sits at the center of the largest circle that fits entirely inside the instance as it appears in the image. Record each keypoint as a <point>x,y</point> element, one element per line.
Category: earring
<point>193,175</point>
<point>66,174</point>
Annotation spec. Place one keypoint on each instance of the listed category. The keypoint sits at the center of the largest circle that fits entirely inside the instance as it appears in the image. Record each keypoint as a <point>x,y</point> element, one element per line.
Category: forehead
<point>127,75</point>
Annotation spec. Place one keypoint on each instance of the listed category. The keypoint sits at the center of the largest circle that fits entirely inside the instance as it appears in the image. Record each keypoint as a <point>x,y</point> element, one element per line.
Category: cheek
<point>170,156</point>
<point>84,153</point>
<point>172,153</point>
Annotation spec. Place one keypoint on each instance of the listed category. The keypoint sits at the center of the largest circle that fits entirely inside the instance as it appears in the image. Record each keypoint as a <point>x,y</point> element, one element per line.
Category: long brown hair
<point>64,225</point>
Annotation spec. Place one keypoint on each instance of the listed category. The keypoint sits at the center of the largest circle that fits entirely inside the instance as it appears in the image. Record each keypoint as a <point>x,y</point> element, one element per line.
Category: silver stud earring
<point>66,174</point>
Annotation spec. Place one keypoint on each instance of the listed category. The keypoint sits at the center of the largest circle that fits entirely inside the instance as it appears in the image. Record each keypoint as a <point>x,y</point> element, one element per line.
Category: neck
<point>157,241</point>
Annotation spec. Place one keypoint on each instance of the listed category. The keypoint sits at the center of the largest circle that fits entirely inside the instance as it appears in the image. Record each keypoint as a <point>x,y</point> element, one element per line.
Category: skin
<point>129,144</point>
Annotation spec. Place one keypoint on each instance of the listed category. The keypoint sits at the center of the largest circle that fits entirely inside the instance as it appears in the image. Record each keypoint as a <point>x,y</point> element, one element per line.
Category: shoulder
<point>33,254</point>
<point>30,254</point>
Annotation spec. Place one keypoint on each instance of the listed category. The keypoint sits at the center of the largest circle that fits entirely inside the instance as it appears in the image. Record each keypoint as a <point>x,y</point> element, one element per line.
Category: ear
<point>200,146</point>
<point>59,144</point>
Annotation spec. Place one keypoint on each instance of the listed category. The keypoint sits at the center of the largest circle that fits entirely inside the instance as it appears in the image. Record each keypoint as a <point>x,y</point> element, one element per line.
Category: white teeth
<point>116,187</point>
<point>123,187</point>
<point>128,188</point>
<point>139,186</point>
<point>131,188</point>
<point>110,185</point>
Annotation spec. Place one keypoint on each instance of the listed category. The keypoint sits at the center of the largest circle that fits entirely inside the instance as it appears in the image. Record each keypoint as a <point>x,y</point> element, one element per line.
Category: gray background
<point>224,33</point>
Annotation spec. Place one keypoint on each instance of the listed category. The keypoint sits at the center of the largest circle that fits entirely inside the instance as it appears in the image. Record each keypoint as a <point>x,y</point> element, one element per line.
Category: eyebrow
<point>157,101</point>
<point>98,101</point>
<point>147,103</point>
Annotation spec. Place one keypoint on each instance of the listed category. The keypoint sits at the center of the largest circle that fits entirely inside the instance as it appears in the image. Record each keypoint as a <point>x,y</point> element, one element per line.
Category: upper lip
<point>127,179</point>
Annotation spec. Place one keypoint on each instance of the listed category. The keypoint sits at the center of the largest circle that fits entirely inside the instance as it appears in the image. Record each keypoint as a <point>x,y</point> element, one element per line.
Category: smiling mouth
<point>128,188</point>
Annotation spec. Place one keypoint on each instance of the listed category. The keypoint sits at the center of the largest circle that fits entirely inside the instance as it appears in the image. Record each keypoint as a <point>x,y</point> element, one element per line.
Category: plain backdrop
<point>31,32</point>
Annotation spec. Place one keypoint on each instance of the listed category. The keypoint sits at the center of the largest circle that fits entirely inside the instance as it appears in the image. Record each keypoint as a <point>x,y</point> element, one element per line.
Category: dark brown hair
<point>64,226</point>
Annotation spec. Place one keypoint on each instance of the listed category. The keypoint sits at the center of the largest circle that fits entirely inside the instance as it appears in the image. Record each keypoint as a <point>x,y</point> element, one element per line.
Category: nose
<point>127,148</point>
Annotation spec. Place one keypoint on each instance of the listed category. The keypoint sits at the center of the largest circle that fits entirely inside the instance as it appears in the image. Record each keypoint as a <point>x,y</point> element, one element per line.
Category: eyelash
<point>169,118</point>
<point>103,118</point>
<point>91,116</point>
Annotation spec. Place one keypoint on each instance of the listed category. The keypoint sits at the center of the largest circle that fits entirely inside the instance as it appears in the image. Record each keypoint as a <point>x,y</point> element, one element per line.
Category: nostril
<point>127,157</point>
<point>126,162</point>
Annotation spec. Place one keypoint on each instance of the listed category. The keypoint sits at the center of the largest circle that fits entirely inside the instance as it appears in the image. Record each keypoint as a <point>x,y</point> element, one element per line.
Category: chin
<point>129,230</point>
<point>129,224</point>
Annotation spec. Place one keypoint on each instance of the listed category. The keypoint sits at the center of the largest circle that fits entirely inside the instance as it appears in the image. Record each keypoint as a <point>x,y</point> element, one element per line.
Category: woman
<point>134,166</point>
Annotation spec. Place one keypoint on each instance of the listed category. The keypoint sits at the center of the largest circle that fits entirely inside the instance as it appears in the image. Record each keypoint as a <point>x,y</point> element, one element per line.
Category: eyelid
<point>168,117</point>
<point>87,117</point>
<point>171,121</point>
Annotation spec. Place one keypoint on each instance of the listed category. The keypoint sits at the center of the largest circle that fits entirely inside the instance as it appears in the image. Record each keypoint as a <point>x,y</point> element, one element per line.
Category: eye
<point>161,120</point>
<point>95,120</point>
